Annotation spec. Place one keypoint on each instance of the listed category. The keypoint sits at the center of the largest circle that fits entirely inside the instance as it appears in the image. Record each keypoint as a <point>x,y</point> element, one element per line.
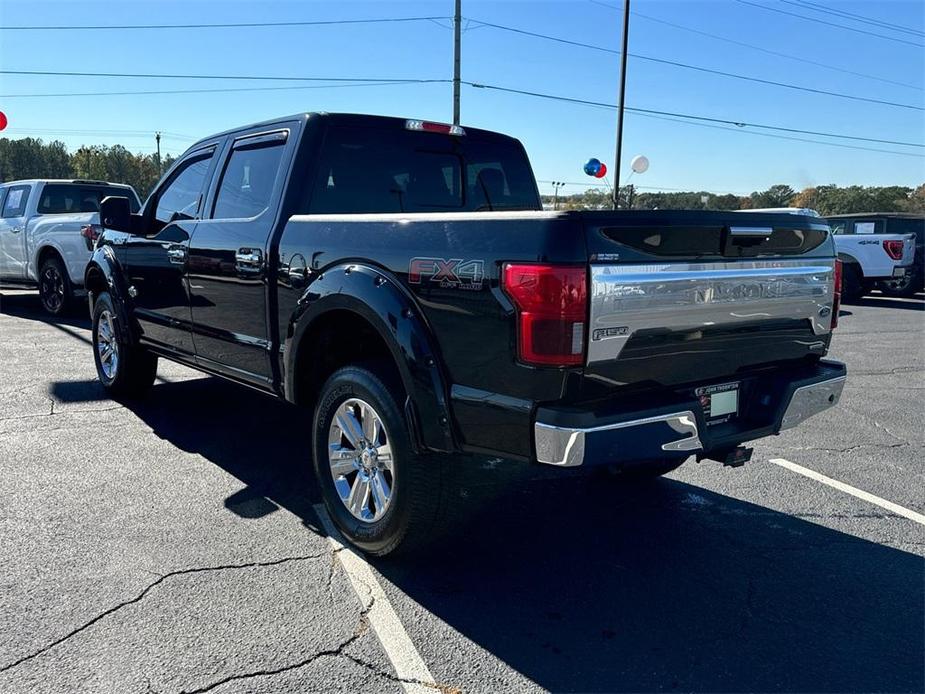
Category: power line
<point>816,7</point>
<point>225,90</point>
<point>767,50</point>
<point>781,137</point>
<point>224,25</point>
<point>832,24</point>
<point>108,133</point>
<point>698,68</point>
<point>687,116</point>
<point>272,78</point>
<point>658,188</point>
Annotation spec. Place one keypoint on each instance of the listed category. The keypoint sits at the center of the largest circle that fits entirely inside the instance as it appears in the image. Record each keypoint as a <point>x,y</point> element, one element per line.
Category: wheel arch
<point>352,313</point>
<point>103,274</point>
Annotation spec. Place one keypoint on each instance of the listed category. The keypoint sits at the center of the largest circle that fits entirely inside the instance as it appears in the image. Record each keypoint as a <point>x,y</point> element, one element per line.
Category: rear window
<point>369,170</point>
<point>69,198</point>
<point>898,225</point>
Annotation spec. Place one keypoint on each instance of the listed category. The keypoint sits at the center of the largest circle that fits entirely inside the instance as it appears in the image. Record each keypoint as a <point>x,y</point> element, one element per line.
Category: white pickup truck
<point>47,232</point>
<point>869,256</point>
<point>879,249</point>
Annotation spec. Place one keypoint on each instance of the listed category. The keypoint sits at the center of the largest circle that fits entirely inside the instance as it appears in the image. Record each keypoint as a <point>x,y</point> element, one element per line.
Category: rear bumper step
<point>570,438</point>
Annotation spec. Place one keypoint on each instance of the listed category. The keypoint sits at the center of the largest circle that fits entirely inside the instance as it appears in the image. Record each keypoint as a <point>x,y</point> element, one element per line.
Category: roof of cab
<point>354,119</point>
<point>78,181</point>
<point>858,215</point>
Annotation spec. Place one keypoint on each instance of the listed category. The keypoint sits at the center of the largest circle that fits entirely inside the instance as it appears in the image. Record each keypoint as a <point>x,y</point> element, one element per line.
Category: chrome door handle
<point>249,257</point>
<point>177,255</point>
<point>15,230</point>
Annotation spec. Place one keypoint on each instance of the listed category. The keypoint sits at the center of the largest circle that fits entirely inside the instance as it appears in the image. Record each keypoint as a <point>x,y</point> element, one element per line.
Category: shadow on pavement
<point>27,306</point>
<point>879,301</point>
<point>582,585</point>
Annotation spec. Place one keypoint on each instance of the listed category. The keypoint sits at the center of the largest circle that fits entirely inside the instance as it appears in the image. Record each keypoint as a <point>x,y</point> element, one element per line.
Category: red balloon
<point>602,171</point>
<point>3,120</point>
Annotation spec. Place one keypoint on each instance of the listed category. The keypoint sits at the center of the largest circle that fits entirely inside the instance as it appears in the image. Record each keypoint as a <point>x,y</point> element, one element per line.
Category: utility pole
<point>555,199</point>
<point>457,35</point>
<point>616,168</point>
<point>160,169</point>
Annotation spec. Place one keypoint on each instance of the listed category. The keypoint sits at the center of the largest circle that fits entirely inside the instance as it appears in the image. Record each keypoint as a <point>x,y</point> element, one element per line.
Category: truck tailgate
<point>687,297</point>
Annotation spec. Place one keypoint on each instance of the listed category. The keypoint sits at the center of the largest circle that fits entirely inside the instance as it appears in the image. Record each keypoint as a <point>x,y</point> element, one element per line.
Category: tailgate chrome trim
<point>628,299</point>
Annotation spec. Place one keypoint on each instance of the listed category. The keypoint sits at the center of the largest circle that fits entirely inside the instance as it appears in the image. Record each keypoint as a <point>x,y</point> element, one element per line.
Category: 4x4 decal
<point>454,273</point>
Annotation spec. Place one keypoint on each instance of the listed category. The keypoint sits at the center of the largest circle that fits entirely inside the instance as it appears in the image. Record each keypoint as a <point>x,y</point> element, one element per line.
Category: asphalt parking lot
<point>174,546</point>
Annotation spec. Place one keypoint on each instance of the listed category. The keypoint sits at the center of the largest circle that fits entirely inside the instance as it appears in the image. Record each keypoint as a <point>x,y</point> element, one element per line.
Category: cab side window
<point>838,228</point>
<point>182,197</point>
<point>15,203</point>
<point>248,181</point>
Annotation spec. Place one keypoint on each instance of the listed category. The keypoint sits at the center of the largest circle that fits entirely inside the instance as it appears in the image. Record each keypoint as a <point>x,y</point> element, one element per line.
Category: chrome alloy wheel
<point>107,345</point>
<point>360,456</point>
<point>51,288</point>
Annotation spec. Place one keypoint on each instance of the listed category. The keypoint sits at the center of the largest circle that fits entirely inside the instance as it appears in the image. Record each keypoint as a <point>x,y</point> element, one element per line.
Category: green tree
<point>778,195</point>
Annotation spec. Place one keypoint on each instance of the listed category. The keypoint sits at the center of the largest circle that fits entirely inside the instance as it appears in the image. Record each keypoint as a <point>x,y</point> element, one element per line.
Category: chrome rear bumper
<point>681,432</point>
<point>812,399</point>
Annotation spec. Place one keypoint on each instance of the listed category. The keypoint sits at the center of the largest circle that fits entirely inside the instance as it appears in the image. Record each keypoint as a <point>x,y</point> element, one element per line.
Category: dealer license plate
<point>720,403</point>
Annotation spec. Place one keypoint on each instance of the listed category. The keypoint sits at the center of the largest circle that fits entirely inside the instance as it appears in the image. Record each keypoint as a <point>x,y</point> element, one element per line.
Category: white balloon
<point>640,164</point>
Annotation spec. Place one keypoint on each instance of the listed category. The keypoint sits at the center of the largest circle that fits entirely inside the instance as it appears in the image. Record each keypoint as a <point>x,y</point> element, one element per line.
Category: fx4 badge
<point>449,274</point>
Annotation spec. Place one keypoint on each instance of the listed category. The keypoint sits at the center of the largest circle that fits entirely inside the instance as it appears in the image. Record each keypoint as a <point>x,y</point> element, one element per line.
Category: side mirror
<point>116,214</point>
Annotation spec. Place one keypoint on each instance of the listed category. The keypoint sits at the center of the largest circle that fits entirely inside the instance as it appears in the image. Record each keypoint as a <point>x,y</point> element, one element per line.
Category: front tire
<point>55,289</point>
<point>382,495</point>
<point>125,369</point>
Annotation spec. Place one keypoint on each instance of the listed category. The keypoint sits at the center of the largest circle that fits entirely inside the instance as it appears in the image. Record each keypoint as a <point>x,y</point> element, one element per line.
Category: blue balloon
<point>592,167</point>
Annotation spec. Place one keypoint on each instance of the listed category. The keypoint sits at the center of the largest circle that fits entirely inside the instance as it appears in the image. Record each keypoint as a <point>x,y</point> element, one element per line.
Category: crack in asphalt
<point>326,653</point>
<point>51,412</point>
<point>902,444</point>
<point>148,589</point>
<point>361,628</point>
<point>443,688</point>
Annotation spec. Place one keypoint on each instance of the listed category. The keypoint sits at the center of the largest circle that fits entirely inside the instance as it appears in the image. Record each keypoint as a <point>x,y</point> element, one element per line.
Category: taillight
<point>552,309</point>
<point>91,232</point>
<point>836,294</point>
<point>894,249</point>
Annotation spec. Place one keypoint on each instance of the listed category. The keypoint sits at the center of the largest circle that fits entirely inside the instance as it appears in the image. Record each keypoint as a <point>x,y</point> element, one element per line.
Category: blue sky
<point>558,136</point>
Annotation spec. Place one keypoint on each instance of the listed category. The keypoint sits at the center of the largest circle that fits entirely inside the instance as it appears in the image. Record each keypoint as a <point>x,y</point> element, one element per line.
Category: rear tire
<point>906,287</point>
<point>55,289</point>
<point>380,507</point>
<point>125,369</point>
<point>852,283</point>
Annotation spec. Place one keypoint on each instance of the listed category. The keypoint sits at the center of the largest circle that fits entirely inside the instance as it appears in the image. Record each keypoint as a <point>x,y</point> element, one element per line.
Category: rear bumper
<point>770,404</point>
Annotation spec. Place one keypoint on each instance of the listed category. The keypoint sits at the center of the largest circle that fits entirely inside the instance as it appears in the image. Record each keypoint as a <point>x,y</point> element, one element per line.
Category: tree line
<point>827,199</point>
<point>32,158</point>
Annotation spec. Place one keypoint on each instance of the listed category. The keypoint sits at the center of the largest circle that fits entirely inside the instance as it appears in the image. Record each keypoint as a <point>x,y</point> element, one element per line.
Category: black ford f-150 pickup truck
<point>400,280</point>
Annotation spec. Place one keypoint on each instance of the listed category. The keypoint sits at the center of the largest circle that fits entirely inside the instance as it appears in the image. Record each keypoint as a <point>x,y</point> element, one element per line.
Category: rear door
<point>229,262</point>
<point>156,262</point>
<point>13,232</point>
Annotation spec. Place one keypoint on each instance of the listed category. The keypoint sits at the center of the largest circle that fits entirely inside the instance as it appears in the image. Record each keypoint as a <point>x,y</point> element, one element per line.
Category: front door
<point>156,261</point>
<point>13,232</point>
<point>228,259</point>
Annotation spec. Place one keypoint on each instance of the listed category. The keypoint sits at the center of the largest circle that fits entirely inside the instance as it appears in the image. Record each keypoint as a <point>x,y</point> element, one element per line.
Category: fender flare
<point>376,296</point>
<point>847,258</point>
<point>104,263</point>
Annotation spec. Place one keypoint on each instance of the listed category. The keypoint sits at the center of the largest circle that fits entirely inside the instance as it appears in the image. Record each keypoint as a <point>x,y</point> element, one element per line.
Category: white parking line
<point>408,663</point>
<point>854,491</point>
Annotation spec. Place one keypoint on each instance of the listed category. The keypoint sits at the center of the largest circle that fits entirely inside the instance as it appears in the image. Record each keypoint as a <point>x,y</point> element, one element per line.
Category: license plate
<point>720,403</point>
<point>899,272</point>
